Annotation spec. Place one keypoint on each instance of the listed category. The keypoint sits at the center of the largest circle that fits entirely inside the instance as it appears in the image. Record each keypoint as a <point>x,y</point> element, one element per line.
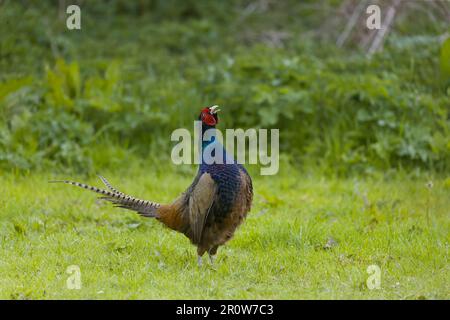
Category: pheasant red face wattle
<point>209,119</point>
<point>208,116</point>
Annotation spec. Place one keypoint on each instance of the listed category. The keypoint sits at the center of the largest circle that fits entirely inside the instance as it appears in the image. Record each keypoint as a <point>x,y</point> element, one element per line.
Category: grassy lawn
<point>305,238</point>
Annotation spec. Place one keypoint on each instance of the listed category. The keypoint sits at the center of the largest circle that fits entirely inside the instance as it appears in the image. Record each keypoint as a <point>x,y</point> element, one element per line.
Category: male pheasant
<point>211,208</point>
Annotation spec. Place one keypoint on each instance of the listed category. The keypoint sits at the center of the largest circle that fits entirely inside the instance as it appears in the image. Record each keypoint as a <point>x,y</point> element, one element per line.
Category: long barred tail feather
<point>109,186</point>
<point>143,207</point>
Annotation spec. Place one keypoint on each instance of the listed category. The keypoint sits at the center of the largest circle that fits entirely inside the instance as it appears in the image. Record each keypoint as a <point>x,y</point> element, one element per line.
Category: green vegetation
<point>360,138</point>
<point>126,80</point>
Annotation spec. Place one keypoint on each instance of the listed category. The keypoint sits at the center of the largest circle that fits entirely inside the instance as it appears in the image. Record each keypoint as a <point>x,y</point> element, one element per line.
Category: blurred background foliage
<point>112,92</point>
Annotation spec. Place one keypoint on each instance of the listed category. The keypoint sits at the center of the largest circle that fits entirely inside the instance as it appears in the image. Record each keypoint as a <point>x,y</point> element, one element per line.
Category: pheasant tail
<point>143,207</point>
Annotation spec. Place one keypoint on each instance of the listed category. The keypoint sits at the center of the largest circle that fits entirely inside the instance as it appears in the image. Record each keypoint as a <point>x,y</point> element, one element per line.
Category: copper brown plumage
<point>211,208</point>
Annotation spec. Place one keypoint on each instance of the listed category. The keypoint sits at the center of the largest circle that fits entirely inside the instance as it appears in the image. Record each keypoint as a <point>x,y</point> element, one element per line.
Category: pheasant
<point>211,208</point>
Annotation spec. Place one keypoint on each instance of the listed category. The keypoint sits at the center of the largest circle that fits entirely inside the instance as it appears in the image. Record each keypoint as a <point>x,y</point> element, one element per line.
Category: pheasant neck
<point>209,149</point>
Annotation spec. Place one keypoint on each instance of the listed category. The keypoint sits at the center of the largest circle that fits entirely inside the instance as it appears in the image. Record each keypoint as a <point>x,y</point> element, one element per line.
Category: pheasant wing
<point>201,200</point>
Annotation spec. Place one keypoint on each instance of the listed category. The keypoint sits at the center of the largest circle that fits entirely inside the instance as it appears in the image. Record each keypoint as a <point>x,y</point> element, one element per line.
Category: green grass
<point>279,252</point>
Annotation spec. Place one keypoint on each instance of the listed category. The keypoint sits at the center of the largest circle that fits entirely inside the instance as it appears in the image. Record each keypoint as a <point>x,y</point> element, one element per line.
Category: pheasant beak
<point>214,109</point>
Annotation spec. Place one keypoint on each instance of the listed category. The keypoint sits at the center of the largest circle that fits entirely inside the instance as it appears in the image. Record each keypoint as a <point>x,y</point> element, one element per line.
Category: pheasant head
<point>208,117</point>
